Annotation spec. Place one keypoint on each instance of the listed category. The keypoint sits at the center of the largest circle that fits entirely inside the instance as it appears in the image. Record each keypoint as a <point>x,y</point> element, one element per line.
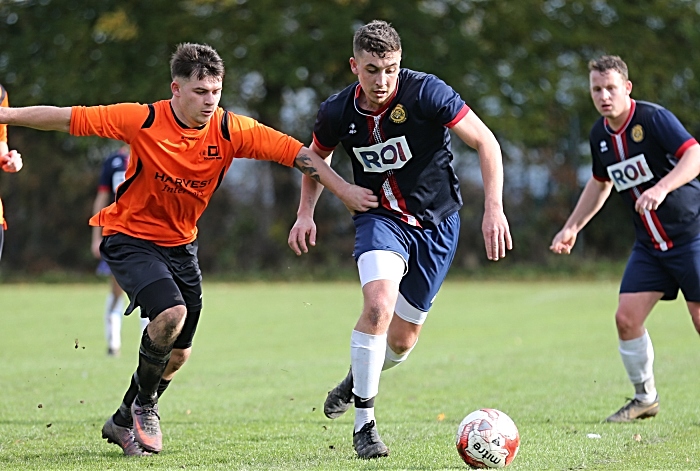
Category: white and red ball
<point>487,438</point>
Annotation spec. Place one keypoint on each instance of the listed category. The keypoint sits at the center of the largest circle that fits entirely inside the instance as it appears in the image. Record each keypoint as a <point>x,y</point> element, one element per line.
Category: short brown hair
<point>198,60</point>
<point>377,37</point>
<point>605,63</point>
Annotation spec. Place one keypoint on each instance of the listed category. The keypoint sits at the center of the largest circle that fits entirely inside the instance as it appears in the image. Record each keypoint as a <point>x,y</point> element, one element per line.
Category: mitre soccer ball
<point>487,438</point>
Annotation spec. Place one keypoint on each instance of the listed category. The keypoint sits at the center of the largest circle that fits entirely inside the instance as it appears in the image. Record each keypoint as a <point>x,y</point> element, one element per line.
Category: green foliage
<point>265,355</point>
<point>522,67</point>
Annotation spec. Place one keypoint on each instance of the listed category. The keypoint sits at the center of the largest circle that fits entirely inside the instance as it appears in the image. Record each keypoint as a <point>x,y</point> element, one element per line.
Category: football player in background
<point>111,176</point>
<point>642,151</point>
<point>181,149</point>
<point>394,124</point>
<point>10,161</point>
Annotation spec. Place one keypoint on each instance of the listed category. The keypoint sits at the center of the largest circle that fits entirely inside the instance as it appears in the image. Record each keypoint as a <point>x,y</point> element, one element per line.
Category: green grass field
<point>265,355</point>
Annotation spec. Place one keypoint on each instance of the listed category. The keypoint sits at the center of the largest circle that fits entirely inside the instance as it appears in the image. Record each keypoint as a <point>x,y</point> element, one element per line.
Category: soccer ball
<point>487,438</point>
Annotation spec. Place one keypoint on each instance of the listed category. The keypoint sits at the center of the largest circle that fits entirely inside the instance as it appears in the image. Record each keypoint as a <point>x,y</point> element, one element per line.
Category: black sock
<point>162,386</point>
<point>152,362</point>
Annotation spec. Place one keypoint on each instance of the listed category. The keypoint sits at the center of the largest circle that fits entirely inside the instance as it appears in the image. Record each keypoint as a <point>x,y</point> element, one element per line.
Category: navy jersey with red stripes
<point>401,151</point>
<point>113,172</point>
<point>635,157</point>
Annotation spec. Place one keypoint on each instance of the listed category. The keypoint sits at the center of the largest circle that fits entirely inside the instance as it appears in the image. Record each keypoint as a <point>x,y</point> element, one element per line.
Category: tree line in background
<point>522,67</point>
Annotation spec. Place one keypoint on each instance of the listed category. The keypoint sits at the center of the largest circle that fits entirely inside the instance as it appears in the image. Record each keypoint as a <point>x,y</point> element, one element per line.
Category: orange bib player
<point>180,151</point>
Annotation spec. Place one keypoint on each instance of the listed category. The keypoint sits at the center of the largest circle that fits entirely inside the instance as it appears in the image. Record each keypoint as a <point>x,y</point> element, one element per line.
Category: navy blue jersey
<point>644,150</point>
<point>113,171</point>
<point>402,151</point>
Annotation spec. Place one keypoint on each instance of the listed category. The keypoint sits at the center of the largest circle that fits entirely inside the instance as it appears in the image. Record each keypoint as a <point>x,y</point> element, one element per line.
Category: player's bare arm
<point>315,165</point>
<point>44,118</point>
<point>354,197</point>
<point>495,229</point>
<point>687,169</point>
<point>594,195</point>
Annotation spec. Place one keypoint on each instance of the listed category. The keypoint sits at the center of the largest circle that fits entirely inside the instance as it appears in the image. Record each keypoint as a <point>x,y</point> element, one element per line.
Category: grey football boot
<point>340,398</point>
<point>367,443</point>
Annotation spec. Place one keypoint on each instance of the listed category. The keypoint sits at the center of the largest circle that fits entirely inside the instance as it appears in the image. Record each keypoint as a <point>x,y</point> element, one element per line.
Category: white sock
<point>362,417</point>
<point>392,359</point>
<point>113,321</point>
<point>367,355</point>
<point>638,358</point>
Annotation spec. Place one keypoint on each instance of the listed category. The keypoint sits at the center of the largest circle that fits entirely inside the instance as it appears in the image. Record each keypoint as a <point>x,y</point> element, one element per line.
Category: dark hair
<point>378,38</point>
<point>605,63</point>
<point>196,60</point>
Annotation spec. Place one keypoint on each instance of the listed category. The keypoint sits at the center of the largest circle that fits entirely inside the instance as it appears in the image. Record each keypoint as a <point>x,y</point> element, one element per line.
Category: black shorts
<point>137,263</point>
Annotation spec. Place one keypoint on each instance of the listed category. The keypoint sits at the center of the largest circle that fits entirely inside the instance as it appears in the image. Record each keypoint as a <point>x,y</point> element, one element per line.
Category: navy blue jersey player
<point>394,125</point>
<point>644,153</point>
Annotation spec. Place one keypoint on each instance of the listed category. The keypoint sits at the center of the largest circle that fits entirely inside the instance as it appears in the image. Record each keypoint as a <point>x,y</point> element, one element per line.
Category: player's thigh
<point>188,277</point>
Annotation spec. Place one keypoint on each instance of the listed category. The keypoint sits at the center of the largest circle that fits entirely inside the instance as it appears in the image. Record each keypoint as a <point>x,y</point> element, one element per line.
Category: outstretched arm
<point>44,118</point>
<point>589,203</point>
<point>477,135</point>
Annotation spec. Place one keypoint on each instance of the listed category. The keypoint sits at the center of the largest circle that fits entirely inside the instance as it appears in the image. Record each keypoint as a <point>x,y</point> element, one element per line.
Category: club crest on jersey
<point>390,155</point>
<point>603,146</point>
<point>398,114</point>
<point>637,133</point>
<point>351,129</point>
<point>630,173</point>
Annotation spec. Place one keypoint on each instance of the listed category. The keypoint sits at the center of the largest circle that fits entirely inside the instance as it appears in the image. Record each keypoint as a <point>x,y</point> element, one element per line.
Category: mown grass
<point>265,355</point>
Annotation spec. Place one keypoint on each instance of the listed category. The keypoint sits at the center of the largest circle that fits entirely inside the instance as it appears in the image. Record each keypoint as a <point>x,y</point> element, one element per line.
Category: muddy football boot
<point>635,409</point>
<point>367,443</point>
<point>123,437</point>
<point>340,398</point>
<point>147,426</point>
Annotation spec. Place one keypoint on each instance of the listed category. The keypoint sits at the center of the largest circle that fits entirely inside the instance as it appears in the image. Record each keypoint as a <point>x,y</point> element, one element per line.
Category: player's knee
<point>625,321</point>
<point>377,314</point>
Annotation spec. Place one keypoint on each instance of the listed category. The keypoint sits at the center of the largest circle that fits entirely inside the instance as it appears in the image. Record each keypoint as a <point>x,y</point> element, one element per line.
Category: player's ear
<point>628,87</point>
<point>175,88</point>
<point>353,66</point>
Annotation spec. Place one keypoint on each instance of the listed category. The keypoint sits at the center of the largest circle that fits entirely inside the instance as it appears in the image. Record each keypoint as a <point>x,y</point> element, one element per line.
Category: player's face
<point>196,100</point>
<point>611,95</point>
<point>378,77</point>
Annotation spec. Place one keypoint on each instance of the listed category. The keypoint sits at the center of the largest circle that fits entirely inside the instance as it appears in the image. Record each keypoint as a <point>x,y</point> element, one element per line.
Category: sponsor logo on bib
<point>630,173</point>
<point>390,155</point>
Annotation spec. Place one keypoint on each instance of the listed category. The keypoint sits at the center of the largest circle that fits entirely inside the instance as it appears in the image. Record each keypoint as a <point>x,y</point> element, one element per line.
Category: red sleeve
<point>251,139</point>
<point>121,121</point>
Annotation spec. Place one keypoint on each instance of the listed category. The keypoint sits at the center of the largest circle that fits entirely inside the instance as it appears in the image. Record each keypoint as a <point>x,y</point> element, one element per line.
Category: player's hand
<point>650,200</point>
<point>496,233</point>
<point>358,199</point>
<point>11,162</point>
<point>563,242</point>
<point>303,227</point>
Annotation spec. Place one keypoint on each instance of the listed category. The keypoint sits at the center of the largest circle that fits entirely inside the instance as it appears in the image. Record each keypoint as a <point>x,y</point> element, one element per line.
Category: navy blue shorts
<point>137,263</point>
<point>428,252</point>
<point>653,270</point>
